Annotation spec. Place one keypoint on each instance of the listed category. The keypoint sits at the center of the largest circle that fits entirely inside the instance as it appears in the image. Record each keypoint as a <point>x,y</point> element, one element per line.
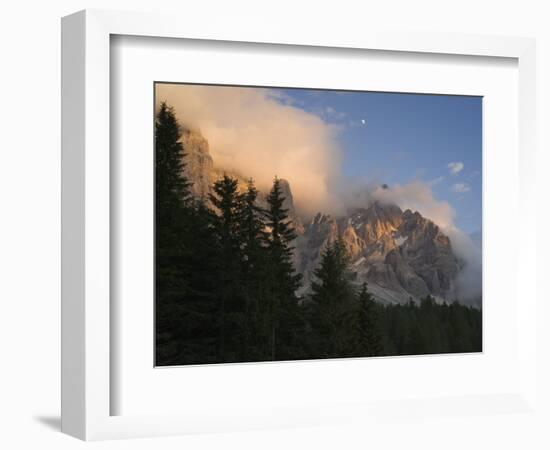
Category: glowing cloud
<point>417,196</point>
<point>253,133</point>
<point>455,167</point>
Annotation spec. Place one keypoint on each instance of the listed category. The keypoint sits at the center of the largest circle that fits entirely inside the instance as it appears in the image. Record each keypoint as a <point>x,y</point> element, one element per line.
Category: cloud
<point>259,133</point>
<point>455,167</point>
<point>284,98</point>
<point>460,188</point>
<point>417,196</point>
<point>436,181</point>
<point>469,279</point>
<point>327,113</point>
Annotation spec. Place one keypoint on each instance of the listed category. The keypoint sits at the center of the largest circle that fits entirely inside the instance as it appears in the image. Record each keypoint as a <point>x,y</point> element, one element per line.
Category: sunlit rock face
<point>199,164</point>
<point>401,254</point>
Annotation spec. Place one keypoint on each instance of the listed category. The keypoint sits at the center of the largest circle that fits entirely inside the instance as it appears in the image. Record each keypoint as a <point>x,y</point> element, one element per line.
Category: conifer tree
<point>199,329</point>
<point>369,340</point>
<point>228,235</point>
<point>281,279</point>
<point>252,229</point>
<point>172,189</point>
<point>331,304</point>
<point>332,278</point>
<point>280,238</point>
<point>172,195</point>
<point>254,257</point>
<point>227,202</point>
<point>171,212</point>
<point>185,254</point>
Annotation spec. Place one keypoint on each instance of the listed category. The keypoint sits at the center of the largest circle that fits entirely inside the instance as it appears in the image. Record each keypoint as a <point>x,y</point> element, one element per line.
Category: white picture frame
<point>86,246</point>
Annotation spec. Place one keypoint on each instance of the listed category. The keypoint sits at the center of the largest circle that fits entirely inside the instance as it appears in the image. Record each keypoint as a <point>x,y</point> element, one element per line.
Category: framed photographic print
<point>272,229</point>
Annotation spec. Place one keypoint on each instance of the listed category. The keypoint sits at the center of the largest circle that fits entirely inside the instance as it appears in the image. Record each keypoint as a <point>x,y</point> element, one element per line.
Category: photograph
<point>296,223</point>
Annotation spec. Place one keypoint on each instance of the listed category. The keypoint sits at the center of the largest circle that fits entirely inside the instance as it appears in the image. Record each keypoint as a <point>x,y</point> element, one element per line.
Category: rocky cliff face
<point>199,164</point>
<point>399,253</point>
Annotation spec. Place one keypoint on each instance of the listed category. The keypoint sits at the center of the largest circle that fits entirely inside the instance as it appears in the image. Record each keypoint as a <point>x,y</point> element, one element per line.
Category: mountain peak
<point>399,253</point>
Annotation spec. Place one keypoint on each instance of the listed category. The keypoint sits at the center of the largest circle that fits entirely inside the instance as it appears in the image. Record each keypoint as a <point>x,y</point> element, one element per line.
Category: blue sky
<point>399,138</point>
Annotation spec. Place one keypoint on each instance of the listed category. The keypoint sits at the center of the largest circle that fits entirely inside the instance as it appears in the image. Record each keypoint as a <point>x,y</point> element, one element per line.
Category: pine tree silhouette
<point>369,340</point>
<point>332,297</point>
<point>281,278</point>
<point>227,229</point>
<point>254,260</point>
<point>172,196</point>
<point>185,257</point>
